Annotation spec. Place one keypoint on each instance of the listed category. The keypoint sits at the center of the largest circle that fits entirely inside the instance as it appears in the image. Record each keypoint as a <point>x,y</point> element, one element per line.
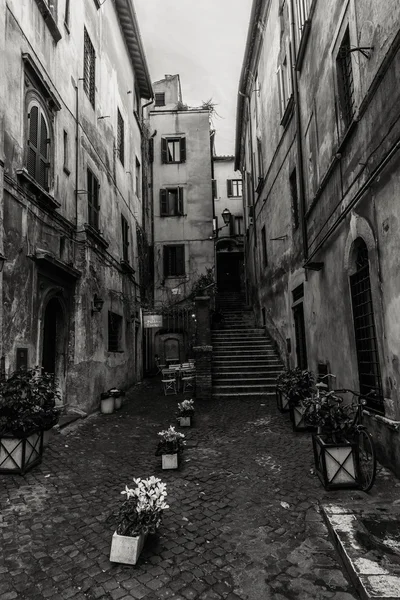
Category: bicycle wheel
<point>366,460</point>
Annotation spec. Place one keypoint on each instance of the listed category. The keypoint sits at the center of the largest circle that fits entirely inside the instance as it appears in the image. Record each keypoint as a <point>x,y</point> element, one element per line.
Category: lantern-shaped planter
<point>169,461</point>
<point>297,416</point>
<point>335,463</point>
<point>126,549</point>
<point>282,401</point>
<point>19,454</point>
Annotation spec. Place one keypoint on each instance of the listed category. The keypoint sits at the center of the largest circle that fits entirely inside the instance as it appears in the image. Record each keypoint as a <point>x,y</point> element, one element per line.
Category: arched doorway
<point>53,341</point>
<point>364,327</point>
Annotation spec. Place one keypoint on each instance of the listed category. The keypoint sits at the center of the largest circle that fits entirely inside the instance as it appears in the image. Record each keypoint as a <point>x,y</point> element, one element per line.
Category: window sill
<point>42,195</point>
<point>49,20</point>
<point>95,235</point>
<point>126,267</point>
<point>115,351</point>
<point>171,216</point>
<point>303,44</point>
<point>287,115</point>
<point>176,276</point>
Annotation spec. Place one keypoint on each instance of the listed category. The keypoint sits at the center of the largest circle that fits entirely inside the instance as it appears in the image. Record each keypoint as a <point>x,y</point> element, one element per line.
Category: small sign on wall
<point>150,321</point>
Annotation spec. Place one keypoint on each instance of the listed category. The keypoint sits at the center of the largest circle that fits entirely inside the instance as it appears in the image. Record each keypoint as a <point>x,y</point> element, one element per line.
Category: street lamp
<point>226,215</point>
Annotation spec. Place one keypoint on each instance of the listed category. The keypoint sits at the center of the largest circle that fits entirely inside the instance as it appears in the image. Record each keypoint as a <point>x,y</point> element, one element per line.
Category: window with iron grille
<point>93,200</point>
<point>295,198</point>
<point>234,188</point>
<point>173,150</point>
<point>171,202</point>
<point>125,239</point>
<point>345,80</point>
<point>38,144</point>
<point>159,98</point>
<point>114,332</point>
<point>364,329</point>
<point>89,63</point>
<point>174,261</point>
<point>120,138</point>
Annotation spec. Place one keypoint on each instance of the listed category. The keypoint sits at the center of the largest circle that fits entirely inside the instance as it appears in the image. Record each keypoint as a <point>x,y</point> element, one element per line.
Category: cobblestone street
<point>243,521</point>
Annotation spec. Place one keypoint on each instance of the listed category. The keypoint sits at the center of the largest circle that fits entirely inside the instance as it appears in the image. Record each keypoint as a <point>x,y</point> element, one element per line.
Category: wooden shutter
<point>33,136</point>
<point>164,150</point>
<point>229,187</point>
<point>180,201</point>
<point>180,260</point>
<point>183,149</point>
<point>232,226</point>
<point>214,188</point>
<point>163,203</point>
<point>43,153</point>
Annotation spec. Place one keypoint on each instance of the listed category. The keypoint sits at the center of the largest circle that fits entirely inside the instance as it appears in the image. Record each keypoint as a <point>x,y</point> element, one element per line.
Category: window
<point>159,99</point>
<point>303,7</point>
<point>295,198</point>
<point>114,332</point>
<point>214,188</point>
<point>174,261</point>
<point>38,144</point>
<point>284,85</point>
<point>66,14</point>
<point>89,59</point>
<point>234,188</point>
<point>260,160</point>
<point>299,326</point>
<point>137,177</point>
<point>345,80</point>
<point>264,246</point>
<point>93,200</point>
<point>125,239</point>
<point>238,225</point>
<point>173,150</point>
<point>120,138</point>
<point>66,153</point>
<point>171,202</point>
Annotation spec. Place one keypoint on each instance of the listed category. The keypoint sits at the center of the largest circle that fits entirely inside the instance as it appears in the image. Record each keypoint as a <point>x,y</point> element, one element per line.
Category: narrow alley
<point>243,521</point>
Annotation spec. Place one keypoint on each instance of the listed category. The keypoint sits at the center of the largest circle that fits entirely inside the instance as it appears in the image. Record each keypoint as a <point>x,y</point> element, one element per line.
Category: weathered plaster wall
<point>224,170</point>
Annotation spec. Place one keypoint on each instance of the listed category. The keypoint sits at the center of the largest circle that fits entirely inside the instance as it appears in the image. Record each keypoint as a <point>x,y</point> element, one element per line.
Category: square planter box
<point>169,461</point>
<point>18,455</point>
<point>335,463</point>
<point>185,421</point>
<point>125,549</point>
<point>282,401</point>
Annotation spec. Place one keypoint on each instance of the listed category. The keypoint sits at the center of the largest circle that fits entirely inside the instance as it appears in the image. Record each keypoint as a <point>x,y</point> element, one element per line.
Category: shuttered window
<point>38,142</point>
<point>174,261</point>
<point>171,202</point>
<point>234,188</point>
<point>120,138</point>
<point>89,63</point>
<point>93,200</point>
<point>159,98</point>
<point>125,238</point>
<point>173,150</point>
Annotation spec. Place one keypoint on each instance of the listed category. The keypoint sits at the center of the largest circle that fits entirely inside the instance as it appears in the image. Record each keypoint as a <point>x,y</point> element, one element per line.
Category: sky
<point>203,41</point>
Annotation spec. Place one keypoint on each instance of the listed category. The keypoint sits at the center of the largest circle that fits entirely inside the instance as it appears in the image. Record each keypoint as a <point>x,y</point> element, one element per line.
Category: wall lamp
<point>2,261</point>
<point>97,304</point>
<point>226,215</point>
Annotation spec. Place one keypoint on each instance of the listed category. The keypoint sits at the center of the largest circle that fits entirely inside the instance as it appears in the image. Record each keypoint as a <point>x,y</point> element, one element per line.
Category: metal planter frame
<point>336,463</point>
<point>20,454</point>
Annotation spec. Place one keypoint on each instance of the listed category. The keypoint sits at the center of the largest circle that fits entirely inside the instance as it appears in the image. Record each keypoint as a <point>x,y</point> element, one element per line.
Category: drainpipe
<point>300,166</point>
<point>76,151</point>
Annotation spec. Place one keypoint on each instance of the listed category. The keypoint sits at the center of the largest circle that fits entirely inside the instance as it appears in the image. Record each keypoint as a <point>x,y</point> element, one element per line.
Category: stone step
<point>228,360</point>
<point>246,353</point>
<point>231,332</point>
<point>244,342</point>
<point>243,378</point>
<point>244,387</point>
<point>241,395</point>
<point>250,368</point>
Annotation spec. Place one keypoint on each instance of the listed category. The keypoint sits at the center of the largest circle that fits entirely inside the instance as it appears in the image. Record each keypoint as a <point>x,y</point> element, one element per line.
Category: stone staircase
<point>245,363</point>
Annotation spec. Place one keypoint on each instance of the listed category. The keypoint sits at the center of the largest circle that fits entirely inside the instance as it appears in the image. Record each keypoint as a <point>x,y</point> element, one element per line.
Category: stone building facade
<point>75,78</point>
<point>318,145</point>
<point>182,214</point>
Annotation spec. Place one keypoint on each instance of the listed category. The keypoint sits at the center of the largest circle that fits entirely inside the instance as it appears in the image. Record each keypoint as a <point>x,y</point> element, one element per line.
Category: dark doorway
<point>229,271</point>
<point>364,329</point>
<point>53,347</point>
<point>300,333</point>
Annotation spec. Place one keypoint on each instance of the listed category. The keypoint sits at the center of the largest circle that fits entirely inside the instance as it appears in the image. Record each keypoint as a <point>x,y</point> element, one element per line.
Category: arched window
<point>364,327</point>
<point>38,144</point>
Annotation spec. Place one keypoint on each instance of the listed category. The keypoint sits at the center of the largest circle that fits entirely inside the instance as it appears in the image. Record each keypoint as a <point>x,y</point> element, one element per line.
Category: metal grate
<point>365,334</point>
<point>89,59</point>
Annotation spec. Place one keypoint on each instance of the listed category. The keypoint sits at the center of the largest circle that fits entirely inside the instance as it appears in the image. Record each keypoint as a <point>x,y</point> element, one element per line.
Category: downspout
<point>76,151</point>
<point>300,165</point>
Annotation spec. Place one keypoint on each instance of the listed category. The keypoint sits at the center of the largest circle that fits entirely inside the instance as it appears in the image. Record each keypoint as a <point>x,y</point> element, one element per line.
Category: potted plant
<point>27,409</point>
<point>139,514</point>
<point>335,455</point>
<point>169,447</point>
<point>299,385</point>
<point>185,413</point>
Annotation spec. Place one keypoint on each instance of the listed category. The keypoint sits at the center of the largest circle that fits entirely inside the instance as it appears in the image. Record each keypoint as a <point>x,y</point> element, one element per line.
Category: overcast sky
<point>203,41</point>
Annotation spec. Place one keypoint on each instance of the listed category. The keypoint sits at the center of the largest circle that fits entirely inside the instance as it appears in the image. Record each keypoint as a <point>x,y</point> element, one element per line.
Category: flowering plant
<point>296,384</point>
<point>142,508</point>
<point>171,441</point>
<point>185,408</point>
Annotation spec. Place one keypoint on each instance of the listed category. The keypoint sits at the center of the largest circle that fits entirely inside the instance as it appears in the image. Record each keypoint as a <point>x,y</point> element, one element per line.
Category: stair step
<point>266,369</point>
<point>243,395</point>
<point>244,380</point>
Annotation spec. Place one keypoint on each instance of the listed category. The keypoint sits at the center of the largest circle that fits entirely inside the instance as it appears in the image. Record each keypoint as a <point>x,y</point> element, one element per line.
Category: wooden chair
<point>159,366</point>
<point>169,382</point>
<point>189,380</point>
